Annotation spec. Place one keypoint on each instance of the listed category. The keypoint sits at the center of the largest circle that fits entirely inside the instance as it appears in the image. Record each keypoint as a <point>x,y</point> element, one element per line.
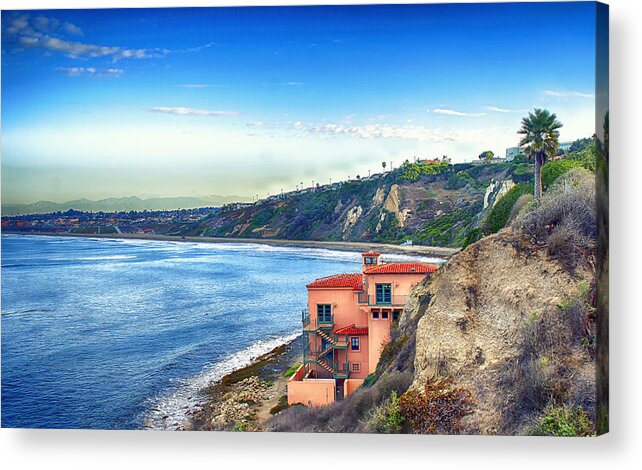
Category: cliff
<point>432,205</point>
<point>506,322</point>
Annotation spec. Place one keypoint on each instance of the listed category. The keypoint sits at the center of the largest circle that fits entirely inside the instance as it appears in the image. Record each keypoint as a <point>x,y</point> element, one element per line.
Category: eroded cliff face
<point>486,311</point>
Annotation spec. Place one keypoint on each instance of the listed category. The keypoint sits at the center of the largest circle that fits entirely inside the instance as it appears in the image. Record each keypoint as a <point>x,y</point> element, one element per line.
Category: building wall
<point>378,337</point>
<point>311,392</point>
<point>350,385</point>
<point>361,357</point>
<point>402,284</point>
<point>344,305</point>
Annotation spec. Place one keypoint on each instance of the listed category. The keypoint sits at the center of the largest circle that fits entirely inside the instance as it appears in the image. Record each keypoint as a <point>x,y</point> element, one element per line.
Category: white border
<point>619,449</point>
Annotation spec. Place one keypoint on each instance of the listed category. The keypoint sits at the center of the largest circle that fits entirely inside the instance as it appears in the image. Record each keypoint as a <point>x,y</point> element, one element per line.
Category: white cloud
<point>569,94</point>
<point>380,131</point>
<point>496,109</point>
<point>78,71</point>
<point>452,112</point>
<point>183,111</point>
<point>42,32</point>
<point>72,29</point>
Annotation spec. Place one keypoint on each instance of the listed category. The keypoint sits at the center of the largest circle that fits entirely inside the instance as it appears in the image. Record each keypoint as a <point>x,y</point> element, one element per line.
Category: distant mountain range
<point>115,204</point>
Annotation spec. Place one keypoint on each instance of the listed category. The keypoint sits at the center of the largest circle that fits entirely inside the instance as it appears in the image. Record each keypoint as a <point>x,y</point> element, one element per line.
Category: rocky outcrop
<point>236,406</point>
<point>481,304</point>
<point>352,217</point>
<point>495,191</point>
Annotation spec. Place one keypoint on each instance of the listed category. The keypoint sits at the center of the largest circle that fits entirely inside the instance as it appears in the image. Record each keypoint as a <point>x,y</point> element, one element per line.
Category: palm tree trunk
<point>538,179</point>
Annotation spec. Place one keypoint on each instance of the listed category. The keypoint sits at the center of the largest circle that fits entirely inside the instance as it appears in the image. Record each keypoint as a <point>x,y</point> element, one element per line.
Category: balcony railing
<point>341,371</point>
<point>312,323</point>
<point>374,300</point>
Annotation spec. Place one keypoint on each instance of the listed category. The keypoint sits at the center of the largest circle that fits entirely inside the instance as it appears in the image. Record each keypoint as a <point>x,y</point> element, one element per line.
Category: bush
<point>387,418</point>
<point>586,157</point>
<point>499,215</point>
<point>565,219</point>
<point>563,421</point>
<point>556,168</point>
<point>472,236</point>
<point>290,372</point>
<point>281,405</point>
<point>437,409</point>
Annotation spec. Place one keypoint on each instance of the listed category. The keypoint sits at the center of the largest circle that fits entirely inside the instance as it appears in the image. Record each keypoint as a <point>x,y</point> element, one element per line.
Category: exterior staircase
<point>323,363</point>
<point>326,336</point>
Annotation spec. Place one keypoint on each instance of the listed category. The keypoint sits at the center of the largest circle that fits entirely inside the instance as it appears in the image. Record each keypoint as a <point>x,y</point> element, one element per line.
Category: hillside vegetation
<point>432,204</point>
<point>501,340</point>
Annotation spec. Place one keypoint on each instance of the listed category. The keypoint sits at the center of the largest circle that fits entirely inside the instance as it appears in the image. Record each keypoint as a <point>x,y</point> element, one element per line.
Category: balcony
<point>378,301</point>
<point>311,323</point>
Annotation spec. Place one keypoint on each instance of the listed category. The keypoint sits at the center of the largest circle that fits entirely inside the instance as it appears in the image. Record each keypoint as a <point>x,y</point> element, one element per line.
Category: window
<point>384,314</point>
<point>368,260</point>
<point>395,315</point>
<point>384,293</point>
<point>354,343</point>
<point>356,367</point>
<point>375,315</point>
<point>324,313</point>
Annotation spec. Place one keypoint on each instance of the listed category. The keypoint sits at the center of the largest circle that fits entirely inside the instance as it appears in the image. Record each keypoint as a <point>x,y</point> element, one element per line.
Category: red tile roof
<point>354,280</point>
<point>353,330</point>
<point>403,268</point>
<point>371,253</point>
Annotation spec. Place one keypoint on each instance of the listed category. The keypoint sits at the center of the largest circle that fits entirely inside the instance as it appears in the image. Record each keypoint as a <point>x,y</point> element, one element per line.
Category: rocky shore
<point>245,399</point>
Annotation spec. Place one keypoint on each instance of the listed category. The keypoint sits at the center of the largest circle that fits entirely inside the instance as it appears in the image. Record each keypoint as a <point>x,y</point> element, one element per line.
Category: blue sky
<point>179,102</point>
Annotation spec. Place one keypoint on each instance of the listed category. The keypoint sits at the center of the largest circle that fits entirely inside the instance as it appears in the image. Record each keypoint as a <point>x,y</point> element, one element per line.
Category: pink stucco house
<point>347,324</point>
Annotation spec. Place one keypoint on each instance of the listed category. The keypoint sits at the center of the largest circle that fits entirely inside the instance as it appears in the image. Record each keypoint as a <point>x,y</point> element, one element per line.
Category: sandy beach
<point>385,248</point>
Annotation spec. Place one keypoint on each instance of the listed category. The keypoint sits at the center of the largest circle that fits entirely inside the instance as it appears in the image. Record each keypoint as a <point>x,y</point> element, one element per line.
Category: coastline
<point>385,248</point>
<point>245,399</point>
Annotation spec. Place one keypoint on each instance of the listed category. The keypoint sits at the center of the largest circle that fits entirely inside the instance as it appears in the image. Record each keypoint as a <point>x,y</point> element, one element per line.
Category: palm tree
<point>540,141</point>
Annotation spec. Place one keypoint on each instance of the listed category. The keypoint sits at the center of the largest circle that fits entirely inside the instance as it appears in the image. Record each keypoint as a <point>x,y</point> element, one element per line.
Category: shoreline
<point>245,399</point>
<point>357,247</point>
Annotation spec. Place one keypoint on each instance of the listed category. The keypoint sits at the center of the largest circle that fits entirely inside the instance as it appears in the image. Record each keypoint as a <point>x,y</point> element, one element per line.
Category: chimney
<point>369,259</point>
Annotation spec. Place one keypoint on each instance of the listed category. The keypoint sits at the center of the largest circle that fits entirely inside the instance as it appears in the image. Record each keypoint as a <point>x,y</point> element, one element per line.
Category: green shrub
<point>472,236</point>
<point>556,168</point>
<point>290,372</point>
<point>585,156</point>
<point>500,213</point>
<point>563,421</point>
<point>437,409</point>
<point>387,418</point>
<point>281,405</point>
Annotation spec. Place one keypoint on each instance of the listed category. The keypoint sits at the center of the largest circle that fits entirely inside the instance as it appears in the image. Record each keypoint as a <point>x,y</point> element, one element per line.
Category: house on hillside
<point>347,324</point>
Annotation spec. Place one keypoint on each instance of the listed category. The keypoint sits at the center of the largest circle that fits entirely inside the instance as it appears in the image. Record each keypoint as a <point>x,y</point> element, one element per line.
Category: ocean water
<point>122,334</point>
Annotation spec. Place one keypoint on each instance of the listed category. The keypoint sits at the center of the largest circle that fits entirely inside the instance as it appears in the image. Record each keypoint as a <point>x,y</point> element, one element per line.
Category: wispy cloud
<point>569,94</point>
<point>452,112</point>
<point>292,84</point>
<point>25,31</point>
<point>91,71</point>
<point>497,109</point>
<point>183,111</point>
<point>380,131</point>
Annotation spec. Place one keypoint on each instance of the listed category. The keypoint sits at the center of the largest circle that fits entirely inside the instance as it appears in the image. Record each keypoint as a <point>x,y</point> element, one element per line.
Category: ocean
<point>122,334</point>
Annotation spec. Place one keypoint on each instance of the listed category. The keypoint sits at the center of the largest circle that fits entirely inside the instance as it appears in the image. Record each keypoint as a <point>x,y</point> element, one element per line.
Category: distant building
<point>565,146</point>
<point>511,153</point>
